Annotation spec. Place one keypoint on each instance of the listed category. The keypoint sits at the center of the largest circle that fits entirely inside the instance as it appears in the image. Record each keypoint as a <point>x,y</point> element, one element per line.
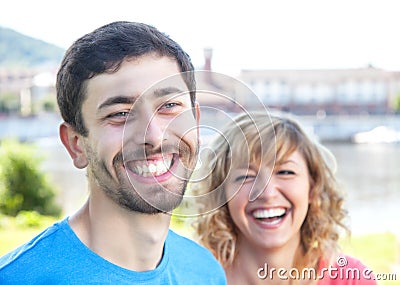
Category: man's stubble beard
<point>123,193</point>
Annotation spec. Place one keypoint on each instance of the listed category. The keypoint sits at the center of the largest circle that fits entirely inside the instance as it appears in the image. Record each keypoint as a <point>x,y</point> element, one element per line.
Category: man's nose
<point>153,133</point>
<point>144,129</point>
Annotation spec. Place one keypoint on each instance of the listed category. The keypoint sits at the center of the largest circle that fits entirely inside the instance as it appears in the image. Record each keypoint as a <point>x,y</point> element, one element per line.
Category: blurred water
<point>370,175</point>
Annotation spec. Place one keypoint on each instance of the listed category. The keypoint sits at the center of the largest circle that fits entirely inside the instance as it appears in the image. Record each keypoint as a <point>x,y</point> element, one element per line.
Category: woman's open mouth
<point>270,216</point>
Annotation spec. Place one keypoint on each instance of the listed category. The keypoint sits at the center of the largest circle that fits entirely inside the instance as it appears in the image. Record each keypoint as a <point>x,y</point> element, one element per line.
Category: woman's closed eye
<point>245,177</point>
<point>285,172</point>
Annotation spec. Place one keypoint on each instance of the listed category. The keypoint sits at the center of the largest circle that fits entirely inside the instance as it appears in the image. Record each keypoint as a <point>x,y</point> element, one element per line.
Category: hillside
<point>18,50</point>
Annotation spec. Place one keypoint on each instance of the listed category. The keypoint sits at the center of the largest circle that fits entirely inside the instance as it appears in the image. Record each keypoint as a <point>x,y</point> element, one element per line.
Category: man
<point>126,93</point>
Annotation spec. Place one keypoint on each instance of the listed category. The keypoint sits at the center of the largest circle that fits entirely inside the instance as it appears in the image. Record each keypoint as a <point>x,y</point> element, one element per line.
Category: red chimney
<point>207,58</point>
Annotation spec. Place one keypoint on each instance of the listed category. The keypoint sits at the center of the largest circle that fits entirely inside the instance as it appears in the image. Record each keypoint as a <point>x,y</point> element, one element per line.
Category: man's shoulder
<point>191,258</point>
<point>182,243</point>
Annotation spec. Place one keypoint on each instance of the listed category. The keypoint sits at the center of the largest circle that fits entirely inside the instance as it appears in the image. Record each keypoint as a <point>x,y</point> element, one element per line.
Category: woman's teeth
<point>269,213</point>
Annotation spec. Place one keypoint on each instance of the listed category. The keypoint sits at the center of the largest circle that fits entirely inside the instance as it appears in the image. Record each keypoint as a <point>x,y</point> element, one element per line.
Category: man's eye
<point>118,117</point>
<point>170,105</point>
<point>171,108</point>
<point>119,114</point>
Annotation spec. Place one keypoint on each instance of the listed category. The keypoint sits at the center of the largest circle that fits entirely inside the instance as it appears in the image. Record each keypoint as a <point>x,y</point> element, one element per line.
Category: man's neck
<point>131,240</point>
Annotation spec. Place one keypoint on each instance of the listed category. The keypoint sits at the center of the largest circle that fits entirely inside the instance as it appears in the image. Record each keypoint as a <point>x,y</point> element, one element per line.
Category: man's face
<point>143,135</point>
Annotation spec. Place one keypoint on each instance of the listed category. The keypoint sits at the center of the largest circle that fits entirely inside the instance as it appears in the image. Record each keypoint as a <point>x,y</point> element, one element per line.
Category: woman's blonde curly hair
<point>259,138</point>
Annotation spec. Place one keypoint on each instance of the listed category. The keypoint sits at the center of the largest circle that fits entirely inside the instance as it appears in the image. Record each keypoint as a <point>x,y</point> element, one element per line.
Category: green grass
<point>13,234</point>
<point>380,252</point>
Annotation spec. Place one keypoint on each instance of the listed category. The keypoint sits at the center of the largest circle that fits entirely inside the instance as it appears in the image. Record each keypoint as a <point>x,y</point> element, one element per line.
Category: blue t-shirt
<point>57,256</point>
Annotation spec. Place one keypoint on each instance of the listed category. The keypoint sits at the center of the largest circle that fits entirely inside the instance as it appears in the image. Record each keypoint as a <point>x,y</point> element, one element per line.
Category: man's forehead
<point>137,82</point>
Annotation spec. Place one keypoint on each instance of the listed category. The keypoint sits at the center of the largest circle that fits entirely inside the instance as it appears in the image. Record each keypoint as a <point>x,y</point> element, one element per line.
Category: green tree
<point>9,102</point>
<point>397,103</point>
<point>23,186</point>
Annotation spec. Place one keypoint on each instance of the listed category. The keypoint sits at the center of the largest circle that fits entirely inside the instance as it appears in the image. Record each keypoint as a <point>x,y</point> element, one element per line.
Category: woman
<point>272,209</point>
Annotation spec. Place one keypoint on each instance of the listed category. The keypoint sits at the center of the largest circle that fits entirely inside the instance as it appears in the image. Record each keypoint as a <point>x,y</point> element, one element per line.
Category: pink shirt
<point>346,271</point>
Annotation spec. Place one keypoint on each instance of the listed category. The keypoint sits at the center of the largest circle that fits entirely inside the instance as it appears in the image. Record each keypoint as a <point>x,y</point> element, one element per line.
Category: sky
<point>250,34</point>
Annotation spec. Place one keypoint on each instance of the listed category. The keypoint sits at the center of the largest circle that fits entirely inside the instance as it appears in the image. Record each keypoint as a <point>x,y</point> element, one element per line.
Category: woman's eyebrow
<point>287,161</point>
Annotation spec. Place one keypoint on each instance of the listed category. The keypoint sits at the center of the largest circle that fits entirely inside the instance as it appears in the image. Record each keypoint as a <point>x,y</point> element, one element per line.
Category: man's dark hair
<point>104,50</point>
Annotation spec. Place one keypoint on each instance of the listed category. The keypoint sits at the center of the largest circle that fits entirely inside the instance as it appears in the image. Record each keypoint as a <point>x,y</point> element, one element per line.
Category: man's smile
<point>152,166</point>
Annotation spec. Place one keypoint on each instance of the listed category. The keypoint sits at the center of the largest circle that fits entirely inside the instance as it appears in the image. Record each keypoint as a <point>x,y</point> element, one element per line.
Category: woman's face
<point>273,220</point>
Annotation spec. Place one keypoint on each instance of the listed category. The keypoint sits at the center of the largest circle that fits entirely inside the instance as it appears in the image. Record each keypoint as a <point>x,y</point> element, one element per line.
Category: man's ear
<point>73,142</point>
<point>197,112</point>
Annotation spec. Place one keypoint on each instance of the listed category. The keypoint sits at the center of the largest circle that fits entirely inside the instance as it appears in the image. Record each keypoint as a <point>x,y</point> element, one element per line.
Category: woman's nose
<point>265,188</point>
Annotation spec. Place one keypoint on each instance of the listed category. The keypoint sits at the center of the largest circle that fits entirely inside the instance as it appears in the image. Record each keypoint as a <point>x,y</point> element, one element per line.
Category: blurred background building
<point>363,91</point>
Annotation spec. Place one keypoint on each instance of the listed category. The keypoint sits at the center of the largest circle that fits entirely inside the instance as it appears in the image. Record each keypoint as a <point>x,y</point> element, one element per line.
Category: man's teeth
<point>269,213</point>
<point>153,168</point>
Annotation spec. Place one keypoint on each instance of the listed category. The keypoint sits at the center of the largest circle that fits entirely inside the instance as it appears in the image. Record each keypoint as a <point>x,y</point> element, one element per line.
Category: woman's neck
<point>255,265</point>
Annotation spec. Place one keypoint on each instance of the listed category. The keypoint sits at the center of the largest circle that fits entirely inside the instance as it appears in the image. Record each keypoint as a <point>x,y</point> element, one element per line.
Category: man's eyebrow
<point>120,99</point>
<point>117,100</point>
<point>159,92</point>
